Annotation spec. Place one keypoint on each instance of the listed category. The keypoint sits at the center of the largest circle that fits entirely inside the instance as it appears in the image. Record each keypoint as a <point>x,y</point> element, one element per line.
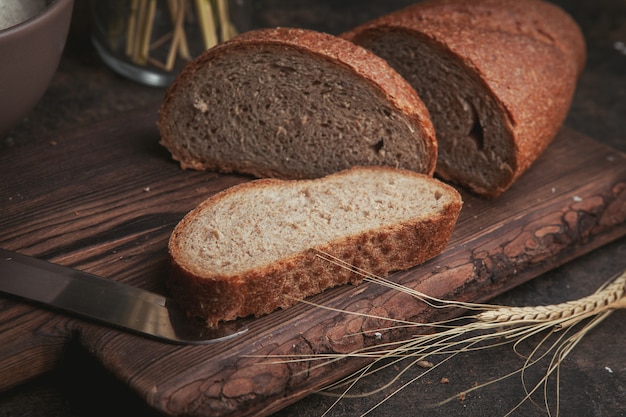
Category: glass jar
<point>149,41</point>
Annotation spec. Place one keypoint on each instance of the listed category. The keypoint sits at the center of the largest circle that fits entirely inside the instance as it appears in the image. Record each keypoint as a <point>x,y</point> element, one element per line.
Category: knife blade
<point>105,301</point>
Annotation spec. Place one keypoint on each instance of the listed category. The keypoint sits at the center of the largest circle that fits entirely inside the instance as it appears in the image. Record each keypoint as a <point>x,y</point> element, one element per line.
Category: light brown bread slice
<point>293,103</point>
<point>497,77</point>
<point>253,248</point>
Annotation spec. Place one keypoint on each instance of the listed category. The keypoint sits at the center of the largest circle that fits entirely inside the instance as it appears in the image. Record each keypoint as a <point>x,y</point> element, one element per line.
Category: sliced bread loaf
<point>293,103</point>
<point>497,77</point>
<point>253,248</point>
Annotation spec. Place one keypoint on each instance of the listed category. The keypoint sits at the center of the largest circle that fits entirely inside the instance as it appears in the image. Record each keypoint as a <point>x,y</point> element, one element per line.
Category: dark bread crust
<point>526,56</point>
<point>212,298</point>
<point>370,69</point>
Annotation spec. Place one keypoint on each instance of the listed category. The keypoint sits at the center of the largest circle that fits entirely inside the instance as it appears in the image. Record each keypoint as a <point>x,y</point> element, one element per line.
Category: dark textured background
<point>593,377</point>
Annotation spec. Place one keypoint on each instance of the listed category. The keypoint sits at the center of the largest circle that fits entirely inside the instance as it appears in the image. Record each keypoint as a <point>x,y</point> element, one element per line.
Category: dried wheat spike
<point>608,297</point>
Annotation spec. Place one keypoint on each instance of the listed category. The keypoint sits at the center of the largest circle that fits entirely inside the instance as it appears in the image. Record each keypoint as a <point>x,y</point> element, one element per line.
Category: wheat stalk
<point>488,327</point>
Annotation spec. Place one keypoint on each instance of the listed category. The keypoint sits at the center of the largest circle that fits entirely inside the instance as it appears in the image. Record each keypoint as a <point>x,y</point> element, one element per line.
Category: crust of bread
<point>212,297</point>
<point>528,56</point>
<point>370,68</point>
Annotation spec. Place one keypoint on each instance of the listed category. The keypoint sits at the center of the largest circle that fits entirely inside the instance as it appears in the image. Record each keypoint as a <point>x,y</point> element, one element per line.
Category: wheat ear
<point>608,297</point>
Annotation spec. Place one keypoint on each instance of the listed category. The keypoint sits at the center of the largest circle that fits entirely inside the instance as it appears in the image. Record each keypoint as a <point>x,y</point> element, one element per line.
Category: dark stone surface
<point>593,377</point>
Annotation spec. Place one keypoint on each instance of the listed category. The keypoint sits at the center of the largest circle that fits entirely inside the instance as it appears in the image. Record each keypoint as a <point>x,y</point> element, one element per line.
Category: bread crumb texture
<point>243,230</point>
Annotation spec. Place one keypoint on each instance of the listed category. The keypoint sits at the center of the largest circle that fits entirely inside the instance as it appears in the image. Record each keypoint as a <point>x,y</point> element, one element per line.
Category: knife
<point>105,301</point>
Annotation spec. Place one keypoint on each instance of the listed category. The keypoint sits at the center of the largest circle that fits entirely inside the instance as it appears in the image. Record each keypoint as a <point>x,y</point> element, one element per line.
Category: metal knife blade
<point>105,301</point>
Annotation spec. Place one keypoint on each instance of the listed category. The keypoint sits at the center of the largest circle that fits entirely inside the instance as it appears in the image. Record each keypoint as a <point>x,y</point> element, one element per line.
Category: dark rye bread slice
<point>253,248</point>
<point>497,77</point>
<point>292,103</point>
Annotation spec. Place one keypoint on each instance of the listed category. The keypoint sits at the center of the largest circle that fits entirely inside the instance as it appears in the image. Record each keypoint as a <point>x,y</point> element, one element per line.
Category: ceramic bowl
<point>30,52</point>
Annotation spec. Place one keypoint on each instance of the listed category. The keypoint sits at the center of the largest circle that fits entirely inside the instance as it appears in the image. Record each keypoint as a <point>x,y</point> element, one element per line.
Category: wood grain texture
<point>105,199</point>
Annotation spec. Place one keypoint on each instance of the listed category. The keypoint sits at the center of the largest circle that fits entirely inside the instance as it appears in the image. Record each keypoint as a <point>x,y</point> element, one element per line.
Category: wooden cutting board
<point>104,199</point>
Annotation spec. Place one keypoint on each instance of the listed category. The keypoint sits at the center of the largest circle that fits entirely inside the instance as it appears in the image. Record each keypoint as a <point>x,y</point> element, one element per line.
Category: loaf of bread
<point>293,103</point>
<point>497,77</point>
<point>253,248</point>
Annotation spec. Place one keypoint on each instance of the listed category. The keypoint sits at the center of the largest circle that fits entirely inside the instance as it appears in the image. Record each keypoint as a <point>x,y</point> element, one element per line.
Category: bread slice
<point>497,77</point>
<point>253,248</point>
<point>292,103</point>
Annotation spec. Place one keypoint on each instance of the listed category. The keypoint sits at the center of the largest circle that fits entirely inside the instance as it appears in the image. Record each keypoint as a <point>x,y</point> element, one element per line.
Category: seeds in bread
<point>497,77</point>
<point>251,249</point>
<point>293,103</point>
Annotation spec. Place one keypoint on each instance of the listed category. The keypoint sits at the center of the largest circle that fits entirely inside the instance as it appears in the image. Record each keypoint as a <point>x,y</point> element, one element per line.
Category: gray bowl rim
<point>49,9</point>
